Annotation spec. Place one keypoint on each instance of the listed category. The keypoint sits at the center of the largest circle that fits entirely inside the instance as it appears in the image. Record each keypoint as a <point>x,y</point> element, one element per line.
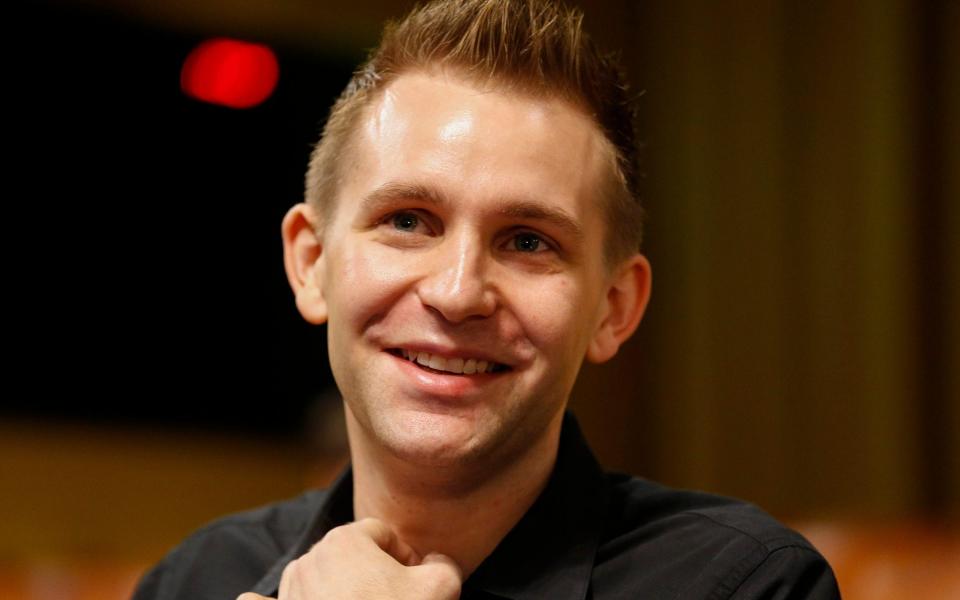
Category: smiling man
<point>470,236</point>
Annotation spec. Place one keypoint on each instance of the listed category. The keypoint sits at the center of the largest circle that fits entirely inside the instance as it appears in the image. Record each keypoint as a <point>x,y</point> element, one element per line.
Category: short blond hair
<point>534,47</point>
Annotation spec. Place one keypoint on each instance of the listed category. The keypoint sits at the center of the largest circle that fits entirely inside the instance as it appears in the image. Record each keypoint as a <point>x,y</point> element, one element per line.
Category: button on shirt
<point>589,535</point>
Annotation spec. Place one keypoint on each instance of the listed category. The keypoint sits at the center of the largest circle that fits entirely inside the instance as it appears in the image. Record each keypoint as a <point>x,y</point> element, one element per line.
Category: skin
<point>468,225</point>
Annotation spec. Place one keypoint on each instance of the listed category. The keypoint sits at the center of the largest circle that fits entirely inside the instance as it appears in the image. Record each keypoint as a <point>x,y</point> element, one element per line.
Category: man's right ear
<point>303,261</point>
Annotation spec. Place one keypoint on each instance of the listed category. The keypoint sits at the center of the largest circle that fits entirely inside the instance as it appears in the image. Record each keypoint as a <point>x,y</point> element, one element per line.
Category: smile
<point>455,365</point>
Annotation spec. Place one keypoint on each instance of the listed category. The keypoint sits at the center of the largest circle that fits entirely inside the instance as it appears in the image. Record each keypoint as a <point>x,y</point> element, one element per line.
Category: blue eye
<point>526,242</point>
<point>405,221</point>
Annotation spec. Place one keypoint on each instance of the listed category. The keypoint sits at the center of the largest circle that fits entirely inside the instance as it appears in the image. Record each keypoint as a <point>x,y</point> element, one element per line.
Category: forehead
<point>474,142</point>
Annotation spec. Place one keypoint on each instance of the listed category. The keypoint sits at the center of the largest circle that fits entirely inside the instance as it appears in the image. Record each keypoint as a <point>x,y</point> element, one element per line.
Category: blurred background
<point>802,348</point>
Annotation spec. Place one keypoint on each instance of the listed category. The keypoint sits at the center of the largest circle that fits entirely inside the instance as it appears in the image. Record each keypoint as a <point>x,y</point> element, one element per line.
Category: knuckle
<point>367,529</point>
<point>443,583</point>
<point>336,535</point>
<point>290,571</point>
<point>371,524</point>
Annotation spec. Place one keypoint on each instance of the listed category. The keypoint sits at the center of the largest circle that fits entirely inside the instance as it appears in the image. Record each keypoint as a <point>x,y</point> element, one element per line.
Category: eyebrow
<point>531,210</point>
<point>389,193</point>
<point>537,211</point>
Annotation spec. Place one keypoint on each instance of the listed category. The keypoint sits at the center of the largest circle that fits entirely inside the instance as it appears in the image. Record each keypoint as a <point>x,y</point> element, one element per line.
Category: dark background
<point>151,232</point>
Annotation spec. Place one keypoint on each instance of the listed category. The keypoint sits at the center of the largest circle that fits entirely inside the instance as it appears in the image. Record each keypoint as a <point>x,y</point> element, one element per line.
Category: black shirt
<point>589,535</point>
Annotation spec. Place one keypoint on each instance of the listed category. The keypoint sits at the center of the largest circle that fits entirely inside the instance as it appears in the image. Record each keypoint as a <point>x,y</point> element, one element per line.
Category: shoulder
<point>688,544</point>
<point>229,555</point>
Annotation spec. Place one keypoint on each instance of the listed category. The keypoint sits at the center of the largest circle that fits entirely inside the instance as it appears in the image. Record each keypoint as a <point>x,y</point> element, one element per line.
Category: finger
<point>443,561</point>
<point>441,575</point>
<point>252,596</point>
<point>388,541</point>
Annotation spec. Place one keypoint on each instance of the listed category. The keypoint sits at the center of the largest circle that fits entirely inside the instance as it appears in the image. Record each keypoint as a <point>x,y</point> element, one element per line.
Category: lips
<point>454,365</point>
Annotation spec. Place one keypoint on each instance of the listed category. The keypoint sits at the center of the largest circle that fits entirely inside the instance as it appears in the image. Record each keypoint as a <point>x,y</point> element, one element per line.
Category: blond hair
<point>534,47</point>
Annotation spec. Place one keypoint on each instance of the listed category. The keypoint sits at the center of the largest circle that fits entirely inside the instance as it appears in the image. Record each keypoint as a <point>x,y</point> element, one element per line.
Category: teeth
<point>450,365</point>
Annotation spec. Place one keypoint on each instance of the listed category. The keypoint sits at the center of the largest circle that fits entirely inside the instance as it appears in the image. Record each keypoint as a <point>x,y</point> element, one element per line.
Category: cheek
<point>362,285</point>
<point>553,313</point>
<point>364,281</point>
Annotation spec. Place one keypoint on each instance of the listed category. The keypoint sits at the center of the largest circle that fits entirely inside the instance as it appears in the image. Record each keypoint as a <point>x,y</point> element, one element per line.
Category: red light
<point>230,73</point>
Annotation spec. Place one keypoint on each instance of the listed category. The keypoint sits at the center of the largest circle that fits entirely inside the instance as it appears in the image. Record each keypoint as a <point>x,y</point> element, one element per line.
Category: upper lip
<point>451,352</point>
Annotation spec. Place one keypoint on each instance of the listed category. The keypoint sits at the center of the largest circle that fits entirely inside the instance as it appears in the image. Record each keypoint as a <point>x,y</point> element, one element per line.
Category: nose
<point>456,283</point>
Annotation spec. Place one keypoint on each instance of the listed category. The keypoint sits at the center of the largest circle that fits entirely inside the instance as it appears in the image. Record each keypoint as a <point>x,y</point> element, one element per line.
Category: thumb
<point>252,596</point>
<point>435,558</point>
<point>443,574</point>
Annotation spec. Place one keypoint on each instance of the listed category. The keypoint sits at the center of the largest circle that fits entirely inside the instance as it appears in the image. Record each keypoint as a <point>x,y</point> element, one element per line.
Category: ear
<point>626,301</point>
<point>303,260</point>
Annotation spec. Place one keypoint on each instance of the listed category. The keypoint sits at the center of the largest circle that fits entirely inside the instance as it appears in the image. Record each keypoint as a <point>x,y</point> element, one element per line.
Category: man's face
<point>467,234</point>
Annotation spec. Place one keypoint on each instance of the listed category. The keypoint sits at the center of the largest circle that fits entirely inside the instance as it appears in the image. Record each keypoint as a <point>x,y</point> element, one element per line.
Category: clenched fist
<point>367,560</point>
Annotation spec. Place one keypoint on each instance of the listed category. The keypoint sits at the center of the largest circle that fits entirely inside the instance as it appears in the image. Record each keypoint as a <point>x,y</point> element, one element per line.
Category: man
<point>470,235</point>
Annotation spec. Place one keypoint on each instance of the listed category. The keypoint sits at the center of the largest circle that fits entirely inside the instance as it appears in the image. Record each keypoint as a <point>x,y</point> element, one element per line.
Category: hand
<point>367,560</point>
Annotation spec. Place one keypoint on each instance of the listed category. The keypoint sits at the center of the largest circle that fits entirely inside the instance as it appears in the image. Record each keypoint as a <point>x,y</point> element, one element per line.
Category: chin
<point>435,439</point>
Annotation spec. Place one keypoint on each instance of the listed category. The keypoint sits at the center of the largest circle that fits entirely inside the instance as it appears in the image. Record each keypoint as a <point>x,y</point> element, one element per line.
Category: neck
<point>461,511</point>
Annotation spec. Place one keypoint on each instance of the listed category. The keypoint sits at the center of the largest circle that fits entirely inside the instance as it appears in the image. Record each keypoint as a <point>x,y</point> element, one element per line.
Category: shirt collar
<point>548,554</point>
<point>335,508</point>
